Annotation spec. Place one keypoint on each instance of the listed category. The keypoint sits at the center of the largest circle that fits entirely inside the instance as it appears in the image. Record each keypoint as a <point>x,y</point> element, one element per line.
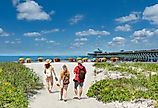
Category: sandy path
<point>45,100</point>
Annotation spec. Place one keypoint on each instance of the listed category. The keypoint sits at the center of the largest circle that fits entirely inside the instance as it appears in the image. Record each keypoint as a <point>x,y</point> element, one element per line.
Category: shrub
<point>123,89</point>
<point>16,82</point>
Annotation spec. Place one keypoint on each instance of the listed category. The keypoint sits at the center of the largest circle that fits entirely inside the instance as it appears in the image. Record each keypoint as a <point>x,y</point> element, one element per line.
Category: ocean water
<point>34,58</point>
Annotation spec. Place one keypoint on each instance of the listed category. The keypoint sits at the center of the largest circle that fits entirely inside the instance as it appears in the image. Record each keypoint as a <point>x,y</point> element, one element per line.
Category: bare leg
<point>80,92</point>
<point>49,86</point>
<point>61,94</point>
<point>75,89</point>
<point>47,80</point>
<point>76,92</point>
<point>52,83</point>
<point>65,93</point>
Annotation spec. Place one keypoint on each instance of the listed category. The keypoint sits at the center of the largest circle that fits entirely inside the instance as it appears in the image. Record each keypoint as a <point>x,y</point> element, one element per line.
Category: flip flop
<point>65,100</point>
<point>61,99</point>
<point>75,98</point>
<point>50,91</point>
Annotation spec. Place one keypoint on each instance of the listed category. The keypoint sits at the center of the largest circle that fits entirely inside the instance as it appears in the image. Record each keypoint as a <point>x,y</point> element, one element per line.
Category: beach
<point>44,99</point>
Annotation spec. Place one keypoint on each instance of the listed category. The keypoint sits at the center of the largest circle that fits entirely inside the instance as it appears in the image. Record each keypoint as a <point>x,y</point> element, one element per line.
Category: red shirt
<point>76,72</point>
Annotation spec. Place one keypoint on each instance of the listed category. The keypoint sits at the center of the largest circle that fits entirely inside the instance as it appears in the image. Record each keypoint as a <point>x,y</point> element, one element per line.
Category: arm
<point>85,70</point>
<point>53,71</point>
<point>44,70</point>
<point>54,74</point>
<point>75,70</point>
<point>60,79</point>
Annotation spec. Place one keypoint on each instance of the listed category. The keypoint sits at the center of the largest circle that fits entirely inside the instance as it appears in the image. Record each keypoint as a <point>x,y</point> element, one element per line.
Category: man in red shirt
<point>80,72</point>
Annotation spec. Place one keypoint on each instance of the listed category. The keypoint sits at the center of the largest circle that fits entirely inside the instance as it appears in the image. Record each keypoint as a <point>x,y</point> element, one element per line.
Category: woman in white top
<point>49,75</point>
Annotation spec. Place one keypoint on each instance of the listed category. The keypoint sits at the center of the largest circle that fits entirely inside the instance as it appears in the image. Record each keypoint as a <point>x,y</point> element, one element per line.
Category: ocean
<point>34,58</point>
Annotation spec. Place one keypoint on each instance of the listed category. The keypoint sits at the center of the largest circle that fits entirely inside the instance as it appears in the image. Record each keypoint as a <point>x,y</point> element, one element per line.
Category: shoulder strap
<point>80,68</point>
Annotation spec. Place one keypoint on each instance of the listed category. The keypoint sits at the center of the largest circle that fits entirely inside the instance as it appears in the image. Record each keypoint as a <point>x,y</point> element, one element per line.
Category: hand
<point>58,84</point>
<point>45,71</point>
<point>56,78</point>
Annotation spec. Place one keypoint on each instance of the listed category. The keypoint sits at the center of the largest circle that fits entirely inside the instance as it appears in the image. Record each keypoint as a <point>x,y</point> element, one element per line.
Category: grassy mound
<point>16,82</point>
<point>109,90</point>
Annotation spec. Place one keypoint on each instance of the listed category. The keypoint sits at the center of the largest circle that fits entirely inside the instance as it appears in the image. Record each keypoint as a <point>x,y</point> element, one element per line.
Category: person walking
<point>49,70</point>
<point>64,81</point>
<point>80,72</point>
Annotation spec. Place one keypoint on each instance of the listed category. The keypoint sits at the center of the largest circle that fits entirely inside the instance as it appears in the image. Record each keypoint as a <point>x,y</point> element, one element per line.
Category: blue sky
<point>75,27</point>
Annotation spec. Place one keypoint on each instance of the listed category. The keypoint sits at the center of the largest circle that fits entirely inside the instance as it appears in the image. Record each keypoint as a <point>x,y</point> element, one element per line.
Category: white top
<point>49,72</point>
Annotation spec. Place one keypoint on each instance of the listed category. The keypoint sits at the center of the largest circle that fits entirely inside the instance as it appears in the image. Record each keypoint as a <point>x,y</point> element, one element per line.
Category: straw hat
<point>80,61</point>
<point>48,61</point>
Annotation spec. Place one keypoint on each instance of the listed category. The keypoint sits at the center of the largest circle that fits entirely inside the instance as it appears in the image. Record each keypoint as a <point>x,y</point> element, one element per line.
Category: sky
<point>76,27</point>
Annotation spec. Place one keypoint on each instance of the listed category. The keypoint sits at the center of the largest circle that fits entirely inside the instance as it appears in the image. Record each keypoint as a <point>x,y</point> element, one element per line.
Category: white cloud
<point>52,42</point>
<point>32,34</point>
<point>151,14</point>
<point>142,35</point>
<point>31,10</point>
<point>52,12</point>
<point>50,31</point>
<point>16,41</point>
<point>3,33</point>
<point>81,39</point>
<point>44,40</point>
<point>92,32</point>
<point>35,34</point>
<point>125,28</point>
<point>40,39</point>
<point>15,2</point>
<point>117,41</point>
<point>156,32</point>
<point>77,44</point>
<point>131,17</point>
<point>76,19</point>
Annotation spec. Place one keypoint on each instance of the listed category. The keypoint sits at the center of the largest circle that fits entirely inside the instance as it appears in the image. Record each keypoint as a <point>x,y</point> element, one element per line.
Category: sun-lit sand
<point>45,100</point>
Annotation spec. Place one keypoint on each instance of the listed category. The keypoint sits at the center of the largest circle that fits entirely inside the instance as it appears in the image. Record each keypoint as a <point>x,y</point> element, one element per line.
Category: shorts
<point>65,87</point>
<point>49,79</point>
<point>76,84</point>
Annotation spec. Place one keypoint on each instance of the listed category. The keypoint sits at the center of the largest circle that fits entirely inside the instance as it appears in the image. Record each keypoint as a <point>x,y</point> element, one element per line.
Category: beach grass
<point>126,89</point>
<point>16,83</point>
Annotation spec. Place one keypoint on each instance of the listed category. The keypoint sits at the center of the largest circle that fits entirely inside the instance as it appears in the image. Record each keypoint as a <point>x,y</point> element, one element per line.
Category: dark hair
<point>64,66</point>
<point>47,66</point>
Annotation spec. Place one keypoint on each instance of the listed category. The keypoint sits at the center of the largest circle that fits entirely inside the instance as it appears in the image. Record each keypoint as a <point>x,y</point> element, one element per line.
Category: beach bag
<point>66,79</point>
<point>82,74</point>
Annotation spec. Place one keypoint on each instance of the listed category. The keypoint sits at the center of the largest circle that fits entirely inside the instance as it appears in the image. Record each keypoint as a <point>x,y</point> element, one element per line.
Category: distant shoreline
<point>34,58</point>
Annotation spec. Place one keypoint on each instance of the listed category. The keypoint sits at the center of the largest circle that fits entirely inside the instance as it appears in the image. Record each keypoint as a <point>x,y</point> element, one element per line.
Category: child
<point>64,81</point>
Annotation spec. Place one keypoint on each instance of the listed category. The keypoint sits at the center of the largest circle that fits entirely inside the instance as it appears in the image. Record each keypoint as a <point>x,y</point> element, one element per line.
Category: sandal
<point>61,99</point>
<point>50,91</point>
<point>75,98</point>
<point>65,100</point>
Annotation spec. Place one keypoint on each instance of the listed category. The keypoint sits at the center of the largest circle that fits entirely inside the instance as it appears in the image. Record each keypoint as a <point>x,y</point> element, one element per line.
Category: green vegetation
<point>103,65</point>
<point>146,66</point>
<point>16,82</point>
<point>123,89</point>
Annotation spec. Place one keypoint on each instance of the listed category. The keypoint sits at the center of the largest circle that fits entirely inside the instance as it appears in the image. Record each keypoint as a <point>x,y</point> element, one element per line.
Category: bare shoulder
<point>52,67</point>
<point>68,72</point>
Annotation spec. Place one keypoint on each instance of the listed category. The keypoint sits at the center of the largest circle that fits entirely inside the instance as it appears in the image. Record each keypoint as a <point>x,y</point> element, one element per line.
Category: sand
<point>46,100</point>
